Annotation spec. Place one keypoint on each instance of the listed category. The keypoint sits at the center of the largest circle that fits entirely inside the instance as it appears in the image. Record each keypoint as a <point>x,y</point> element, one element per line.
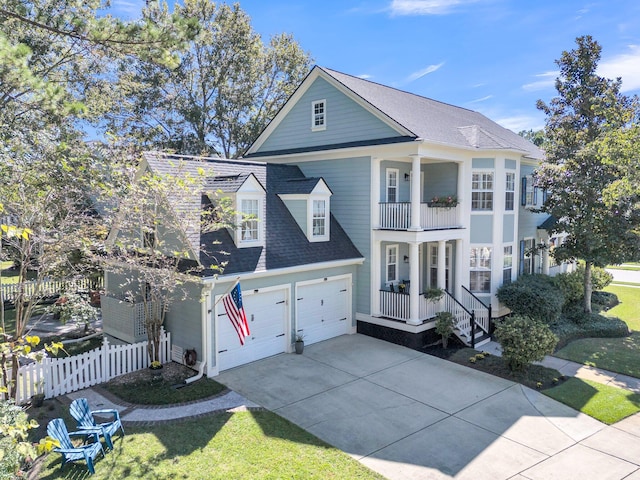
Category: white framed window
<point>392,185</point>
<point>482,191</point>
<point>391,264</point>
<point>433,266</point>
<point>507,264</point>
<point>249,220</point>
<point>527,255</point>
<point>319,218</point>
<point>318,115</point>
<point>529,192</point>
<point>509,191</point>
<point>480,270</point>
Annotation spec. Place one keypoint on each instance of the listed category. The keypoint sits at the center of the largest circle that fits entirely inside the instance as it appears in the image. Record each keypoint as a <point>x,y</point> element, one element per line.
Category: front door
<point>433,266</point>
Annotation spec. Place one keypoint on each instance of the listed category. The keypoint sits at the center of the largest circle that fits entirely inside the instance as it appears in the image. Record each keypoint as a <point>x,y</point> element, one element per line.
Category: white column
<point>376,281</point>
<point>375,192</point>
<point>414,286</point>
<point>442,264</point>
<point>460,269</point>
<point>415,193</point>
<point>545,259</point>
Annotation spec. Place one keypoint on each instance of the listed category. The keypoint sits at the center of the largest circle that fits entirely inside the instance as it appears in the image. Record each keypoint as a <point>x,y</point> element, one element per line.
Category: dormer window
<point>250,212</point>
<point>319,219</point>
<point>318,115</point>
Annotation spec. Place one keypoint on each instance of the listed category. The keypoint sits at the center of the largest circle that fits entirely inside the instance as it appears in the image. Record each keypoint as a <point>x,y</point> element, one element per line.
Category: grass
<point>241,445</point>
<point>620,355</point>
<point>160,392</point>
<point>602,402</point>
<point>10,275</point>
<point>624,284</point>
<point>633,266</point>
<point>628,310</point>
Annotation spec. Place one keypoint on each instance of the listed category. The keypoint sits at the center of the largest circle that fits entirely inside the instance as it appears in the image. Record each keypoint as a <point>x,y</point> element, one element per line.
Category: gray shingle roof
<point>436,121</point>
<point>286,245</point>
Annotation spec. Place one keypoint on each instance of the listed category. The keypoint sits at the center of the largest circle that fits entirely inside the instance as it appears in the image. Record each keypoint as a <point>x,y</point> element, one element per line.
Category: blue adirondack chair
<point>58,430</point>
<point>86,421</point>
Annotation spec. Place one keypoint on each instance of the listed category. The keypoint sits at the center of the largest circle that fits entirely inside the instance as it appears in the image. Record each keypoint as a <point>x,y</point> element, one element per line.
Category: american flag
<point>235,311</point>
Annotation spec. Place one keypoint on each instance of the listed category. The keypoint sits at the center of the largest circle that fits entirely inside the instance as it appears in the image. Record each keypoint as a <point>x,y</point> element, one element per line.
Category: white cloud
<point>547,79</point>
<point>483,99</point>
<point>625,65</point>
<point>426,7</point>
<point>425,71</point>
<point>517,123</point>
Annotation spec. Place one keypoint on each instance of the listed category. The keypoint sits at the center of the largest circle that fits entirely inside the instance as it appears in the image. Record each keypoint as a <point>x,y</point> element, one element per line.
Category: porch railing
<point>397,306</point>
<point>482,312</point>
<point>397,216</point>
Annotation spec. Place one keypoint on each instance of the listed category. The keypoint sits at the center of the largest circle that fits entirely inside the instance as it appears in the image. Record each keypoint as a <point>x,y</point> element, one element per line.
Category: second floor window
<point>482,191</point>
<point>510,191</point>
<point>392,185</point>
<point>249,210</point>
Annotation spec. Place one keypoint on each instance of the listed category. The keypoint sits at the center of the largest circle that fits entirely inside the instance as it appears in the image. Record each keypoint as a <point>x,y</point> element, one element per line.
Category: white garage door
<point>267,315</point>
<point>323,309</point>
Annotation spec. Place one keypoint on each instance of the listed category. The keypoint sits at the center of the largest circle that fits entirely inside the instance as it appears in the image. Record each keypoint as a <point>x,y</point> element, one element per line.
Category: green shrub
<point>604,300</point>
<point>444,326</point>
<point>592,326</point>
<point>524,340</point>
<point>15,450</point>
<point>533,295</point>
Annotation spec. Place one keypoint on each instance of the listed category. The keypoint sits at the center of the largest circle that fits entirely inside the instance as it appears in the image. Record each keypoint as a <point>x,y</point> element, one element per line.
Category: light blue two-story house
<point>432,195</point>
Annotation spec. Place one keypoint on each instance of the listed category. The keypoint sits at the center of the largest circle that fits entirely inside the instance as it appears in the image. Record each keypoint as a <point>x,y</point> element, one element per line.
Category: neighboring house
<point>431,194</point>
<point>296,265</point>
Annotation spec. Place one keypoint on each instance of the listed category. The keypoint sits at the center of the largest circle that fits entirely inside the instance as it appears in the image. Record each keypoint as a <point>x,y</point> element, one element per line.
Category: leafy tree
<point>227,87</point>
<point>588,188</point>
<point>155,243</point>
<point>534,136</point>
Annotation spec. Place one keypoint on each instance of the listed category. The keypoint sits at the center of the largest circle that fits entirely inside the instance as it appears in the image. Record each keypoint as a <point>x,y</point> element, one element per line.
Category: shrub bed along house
<point>535,296</point>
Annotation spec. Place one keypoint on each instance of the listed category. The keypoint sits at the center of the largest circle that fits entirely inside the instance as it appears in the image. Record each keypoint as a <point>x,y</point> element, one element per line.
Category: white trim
<point>323,125</point>
<point>285,271</point>
<point>448,266</point>
<point>483,172</point>
<point>327,220</point>
<point>260,198</point>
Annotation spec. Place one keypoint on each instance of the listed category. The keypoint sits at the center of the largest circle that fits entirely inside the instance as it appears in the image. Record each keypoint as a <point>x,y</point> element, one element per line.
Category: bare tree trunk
<point>588,287</point>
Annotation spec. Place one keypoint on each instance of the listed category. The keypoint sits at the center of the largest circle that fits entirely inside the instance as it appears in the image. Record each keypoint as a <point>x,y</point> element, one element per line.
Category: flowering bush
<point>447,201</point>
<point>74,307</point>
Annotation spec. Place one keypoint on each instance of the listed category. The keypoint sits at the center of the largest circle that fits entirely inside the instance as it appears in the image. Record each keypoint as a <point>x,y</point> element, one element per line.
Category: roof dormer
<point>308,201</point>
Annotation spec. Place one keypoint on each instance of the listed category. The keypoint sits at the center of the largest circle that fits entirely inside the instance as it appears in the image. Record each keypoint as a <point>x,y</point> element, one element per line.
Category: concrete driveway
<point>409,415</point>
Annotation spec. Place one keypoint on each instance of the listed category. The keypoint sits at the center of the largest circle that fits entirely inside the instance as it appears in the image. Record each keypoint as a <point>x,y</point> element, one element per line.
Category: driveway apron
<point>408,415</point>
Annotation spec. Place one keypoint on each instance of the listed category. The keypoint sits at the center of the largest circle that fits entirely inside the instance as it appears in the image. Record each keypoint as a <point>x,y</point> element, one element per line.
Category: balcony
<point>397,216</point>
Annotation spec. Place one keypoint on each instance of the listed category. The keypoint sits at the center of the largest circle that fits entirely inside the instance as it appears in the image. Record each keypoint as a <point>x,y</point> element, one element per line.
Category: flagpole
<point>227,292</point>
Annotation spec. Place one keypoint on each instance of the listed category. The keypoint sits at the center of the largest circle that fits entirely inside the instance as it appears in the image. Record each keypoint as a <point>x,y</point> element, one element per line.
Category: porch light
<point>406,177</point>
<point>406,259</point>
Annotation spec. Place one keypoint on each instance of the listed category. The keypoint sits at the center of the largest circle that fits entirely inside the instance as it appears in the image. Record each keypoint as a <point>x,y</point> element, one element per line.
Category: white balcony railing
<point>397,216</point>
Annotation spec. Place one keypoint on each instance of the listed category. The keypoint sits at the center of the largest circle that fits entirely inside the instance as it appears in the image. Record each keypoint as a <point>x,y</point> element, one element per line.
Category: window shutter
<point>523,192</point>
<point>521,262</point>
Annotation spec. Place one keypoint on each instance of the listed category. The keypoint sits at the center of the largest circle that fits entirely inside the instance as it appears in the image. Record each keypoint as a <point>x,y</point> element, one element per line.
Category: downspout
<point>204,316</point>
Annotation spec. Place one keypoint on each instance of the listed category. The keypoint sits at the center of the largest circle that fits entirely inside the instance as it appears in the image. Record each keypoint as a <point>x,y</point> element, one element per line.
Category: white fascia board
<point>284,271</point>
<point>321,189</point>
<point>252,185</point>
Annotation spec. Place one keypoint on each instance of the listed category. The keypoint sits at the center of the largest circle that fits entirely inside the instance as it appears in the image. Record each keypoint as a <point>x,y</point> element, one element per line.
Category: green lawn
<point>628,310</point>
<point>242,445</point>
<point>627,266</point>
<point>605,403</point>
<point>621,355</point>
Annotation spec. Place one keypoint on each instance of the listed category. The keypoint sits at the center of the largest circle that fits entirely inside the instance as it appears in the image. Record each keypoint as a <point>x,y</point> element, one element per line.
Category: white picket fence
<point>47,287</point>
<point>58,376</point>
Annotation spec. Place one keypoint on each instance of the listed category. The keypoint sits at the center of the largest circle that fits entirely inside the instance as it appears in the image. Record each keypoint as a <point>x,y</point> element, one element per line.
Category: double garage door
<point>323,311</point>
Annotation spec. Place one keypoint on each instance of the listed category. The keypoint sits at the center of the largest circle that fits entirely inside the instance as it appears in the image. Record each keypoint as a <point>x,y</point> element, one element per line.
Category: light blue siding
<point>510,164</point>
<point>346,121</point>
<point>482,162</point>
<point>507,226</point>
<point>350,181</point>
<point>481,229</point>
<point>184,319</point>
<point>528,221</point>
<point>298,210</point>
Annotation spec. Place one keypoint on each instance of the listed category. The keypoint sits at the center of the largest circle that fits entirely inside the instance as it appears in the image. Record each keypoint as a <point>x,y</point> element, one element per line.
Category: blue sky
<point>493,56</point>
